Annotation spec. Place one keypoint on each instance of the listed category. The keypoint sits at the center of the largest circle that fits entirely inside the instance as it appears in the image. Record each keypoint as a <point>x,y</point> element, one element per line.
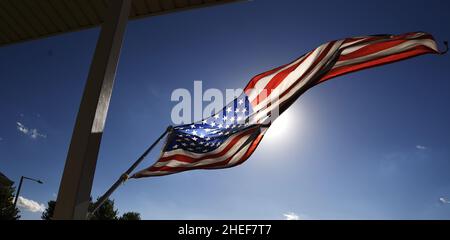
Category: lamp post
<point>20,186</point>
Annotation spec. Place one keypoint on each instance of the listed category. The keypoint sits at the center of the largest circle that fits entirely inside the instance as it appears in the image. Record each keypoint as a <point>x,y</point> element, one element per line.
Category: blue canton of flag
<point>208,134</point>
<point>225,139</point>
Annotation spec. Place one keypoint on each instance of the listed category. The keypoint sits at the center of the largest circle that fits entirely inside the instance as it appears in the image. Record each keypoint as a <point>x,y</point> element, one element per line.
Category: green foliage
<point>131,216</point>
<point>7,209</point>
<point>105,212</point>
<point>48,213</point>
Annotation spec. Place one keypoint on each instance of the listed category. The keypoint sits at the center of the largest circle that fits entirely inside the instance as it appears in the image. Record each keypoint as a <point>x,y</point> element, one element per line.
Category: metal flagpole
<point>125,175</point>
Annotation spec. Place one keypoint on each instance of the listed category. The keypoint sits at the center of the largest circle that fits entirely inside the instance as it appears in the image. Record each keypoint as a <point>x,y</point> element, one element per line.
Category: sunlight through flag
<point>229,137</point>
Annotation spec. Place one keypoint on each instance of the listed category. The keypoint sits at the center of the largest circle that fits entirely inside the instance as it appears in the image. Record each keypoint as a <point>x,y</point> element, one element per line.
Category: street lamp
<point>20,186</point>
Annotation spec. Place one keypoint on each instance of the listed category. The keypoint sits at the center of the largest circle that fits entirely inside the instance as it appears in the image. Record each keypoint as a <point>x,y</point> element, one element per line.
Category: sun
<point>282,126</point>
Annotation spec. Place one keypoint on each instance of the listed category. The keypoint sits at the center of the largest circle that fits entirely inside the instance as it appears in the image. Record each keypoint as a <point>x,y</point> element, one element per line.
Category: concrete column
<point>76,183</point>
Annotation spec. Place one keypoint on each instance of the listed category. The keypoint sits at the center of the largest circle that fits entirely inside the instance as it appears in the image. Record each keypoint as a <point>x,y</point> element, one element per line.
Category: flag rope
<point>126,174</point>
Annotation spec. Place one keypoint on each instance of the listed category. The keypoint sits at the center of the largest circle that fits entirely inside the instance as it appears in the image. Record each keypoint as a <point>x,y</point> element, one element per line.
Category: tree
<point>131,216</point>
<point>7,209</point>
<point>105,212</point>
<point>48,213</point>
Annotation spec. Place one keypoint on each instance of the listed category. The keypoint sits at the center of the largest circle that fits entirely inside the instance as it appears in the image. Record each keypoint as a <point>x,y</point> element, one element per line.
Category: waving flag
<point>229,137</point>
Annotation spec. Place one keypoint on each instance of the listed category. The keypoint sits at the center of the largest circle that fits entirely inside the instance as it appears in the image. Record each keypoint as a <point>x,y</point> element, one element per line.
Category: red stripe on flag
<point>377,47</point>
<point>221,164</point>
<point>258,77</point>
<point>251,149</point>
<point>416,51</point>
<point>179,169</point>
<point>370,49</point>
<point>188,159</point>
<point>350,40</point>
<point>276,80</point>
<point>366,39</point>
<point>321,56</point>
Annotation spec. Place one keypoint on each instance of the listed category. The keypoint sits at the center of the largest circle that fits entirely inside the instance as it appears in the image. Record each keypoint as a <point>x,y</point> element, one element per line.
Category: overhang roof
<point>22,20</point>
<point>5,181</point>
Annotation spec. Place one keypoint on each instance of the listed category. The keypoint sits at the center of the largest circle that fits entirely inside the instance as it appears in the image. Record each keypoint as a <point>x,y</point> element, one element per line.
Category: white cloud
<point>291,216</point>
<point>30,205</point>
<point>1,139</point>
<point>35,134</point>
<point>421,147</point>
<point>444,201</point>
<point>32,133</point>
<point>22,128</point>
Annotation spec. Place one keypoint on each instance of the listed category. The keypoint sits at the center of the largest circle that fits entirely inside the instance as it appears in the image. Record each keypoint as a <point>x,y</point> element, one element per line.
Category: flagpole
<point>125,175</point>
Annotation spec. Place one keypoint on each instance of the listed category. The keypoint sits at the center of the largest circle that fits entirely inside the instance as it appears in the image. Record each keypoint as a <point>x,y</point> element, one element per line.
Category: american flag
<point>229,137</point>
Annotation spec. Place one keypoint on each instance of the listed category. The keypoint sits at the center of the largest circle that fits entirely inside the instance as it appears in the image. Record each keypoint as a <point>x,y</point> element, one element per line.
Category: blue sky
<point>370,145</point>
